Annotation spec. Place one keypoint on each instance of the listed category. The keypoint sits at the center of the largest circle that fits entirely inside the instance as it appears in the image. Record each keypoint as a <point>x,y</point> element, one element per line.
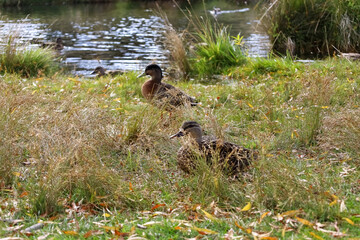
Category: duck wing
<point>173,96</point>
<point>231,157</point>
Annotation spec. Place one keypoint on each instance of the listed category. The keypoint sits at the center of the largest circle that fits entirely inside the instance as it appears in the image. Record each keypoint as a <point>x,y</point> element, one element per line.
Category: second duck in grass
<point>230,157</point>
<point>58,45</point>
<point>163,94</point>
<point>100,71</point>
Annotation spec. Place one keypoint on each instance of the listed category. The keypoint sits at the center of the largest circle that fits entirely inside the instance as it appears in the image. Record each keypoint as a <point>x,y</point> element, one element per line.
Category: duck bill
<point>179,134</point>
<point>94,72</point>
<point>140,75</point>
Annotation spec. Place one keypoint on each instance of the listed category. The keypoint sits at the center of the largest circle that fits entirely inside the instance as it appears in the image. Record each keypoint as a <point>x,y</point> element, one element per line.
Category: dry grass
<point>340,131</point>
<point>99,145</point>
<point>175,43</point>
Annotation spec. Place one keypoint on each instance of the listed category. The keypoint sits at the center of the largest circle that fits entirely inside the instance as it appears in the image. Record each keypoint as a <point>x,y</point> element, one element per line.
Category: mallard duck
<point>232,158</point>
<point>100,71</point>
<point>58,45</point>
<point>163,93</point>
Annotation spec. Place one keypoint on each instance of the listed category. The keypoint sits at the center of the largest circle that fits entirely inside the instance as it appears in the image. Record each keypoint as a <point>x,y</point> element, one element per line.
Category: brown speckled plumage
<point>232,158</point>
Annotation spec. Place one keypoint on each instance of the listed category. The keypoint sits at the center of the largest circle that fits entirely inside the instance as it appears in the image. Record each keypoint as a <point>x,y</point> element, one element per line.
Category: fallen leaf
<point>157,206</point>
<point>34,227</point>
<point>247,207</point>
<point>92,233</point>
<point>70,233</point>
<point>209,216</point>
<point>349,221</point>
<point>151,223</point>
<point>333,203</point>
<point>250,105</point>
<point>342,206</point>
<point>106,215</point>
<point>132,230</point>
<point>130,187</point>
<point>263,215</point>
<point>121,234</point>
<point>316,236</point>
<point>291,213</point>
<point>246,230</point>
<point>204,231</point>
<point>305,222</point>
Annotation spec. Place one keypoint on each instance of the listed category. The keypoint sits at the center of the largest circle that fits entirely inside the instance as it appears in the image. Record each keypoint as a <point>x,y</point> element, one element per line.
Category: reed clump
<point>313,28</point>
<point>17,57</point>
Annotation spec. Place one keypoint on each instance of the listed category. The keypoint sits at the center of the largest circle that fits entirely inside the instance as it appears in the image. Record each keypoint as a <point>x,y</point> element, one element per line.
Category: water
<point>124,35</point>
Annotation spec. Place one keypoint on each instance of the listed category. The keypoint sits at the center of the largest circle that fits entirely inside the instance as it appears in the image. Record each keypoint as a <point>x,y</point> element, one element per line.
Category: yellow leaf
<point>105,106</point>
<point>247,207</point>
<point>250,105</point>
<point>334,197</point>
<point>209,216</point>
<point>106,215</point>
<point>291,213</point>
<point>349,221</point>
<point>204,231</point>
<point>263,215</point>
<point>304,221</point>
<point>324,107</point>
<point>71,233</point>
<point>316,236</point>
<point>132,230</point>
<point>117,99</point>
<point>17,174</point>
<point>333,203</point>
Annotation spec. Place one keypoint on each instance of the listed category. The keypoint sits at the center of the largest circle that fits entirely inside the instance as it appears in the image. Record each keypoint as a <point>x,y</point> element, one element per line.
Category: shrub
<point>214,52</point>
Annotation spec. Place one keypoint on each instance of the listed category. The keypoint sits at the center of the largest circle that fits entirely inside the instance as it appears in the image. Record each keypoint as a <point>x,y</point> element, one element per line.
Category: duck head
<point>154,71</point>
<point>190,128</point>
<point>99,71</point>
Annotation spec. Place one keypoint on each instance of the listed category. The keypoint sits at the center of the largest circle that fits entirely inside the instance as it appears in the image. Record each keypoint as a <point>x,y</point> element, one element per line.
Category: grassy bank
<point>90,158</point>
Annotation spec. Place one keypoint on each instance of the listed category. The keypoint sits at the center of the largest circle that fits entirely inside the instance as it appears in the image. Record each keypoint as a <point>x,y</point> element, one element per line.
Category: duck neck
<point>196,134</point>
<point>157,77</point>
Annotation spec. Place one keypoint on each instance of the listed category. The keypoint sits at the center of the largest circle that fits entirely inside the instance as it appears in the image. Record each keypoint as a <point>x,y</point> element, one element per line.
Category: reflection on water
<point>124,35</point>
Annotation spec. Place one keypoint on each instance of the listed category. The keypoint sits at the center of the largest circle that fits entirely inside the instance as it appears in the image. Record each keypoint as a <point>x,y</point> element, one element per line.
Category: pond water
<point>125,35</point>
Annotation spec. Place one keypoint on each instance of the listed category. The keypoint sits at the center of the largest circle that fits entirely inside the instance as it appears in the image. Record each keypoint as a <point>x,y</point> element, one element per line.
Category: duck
<point>100,71</point>
<point>160,93</point>
<point>232,158</point>
<point>58,45</point>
